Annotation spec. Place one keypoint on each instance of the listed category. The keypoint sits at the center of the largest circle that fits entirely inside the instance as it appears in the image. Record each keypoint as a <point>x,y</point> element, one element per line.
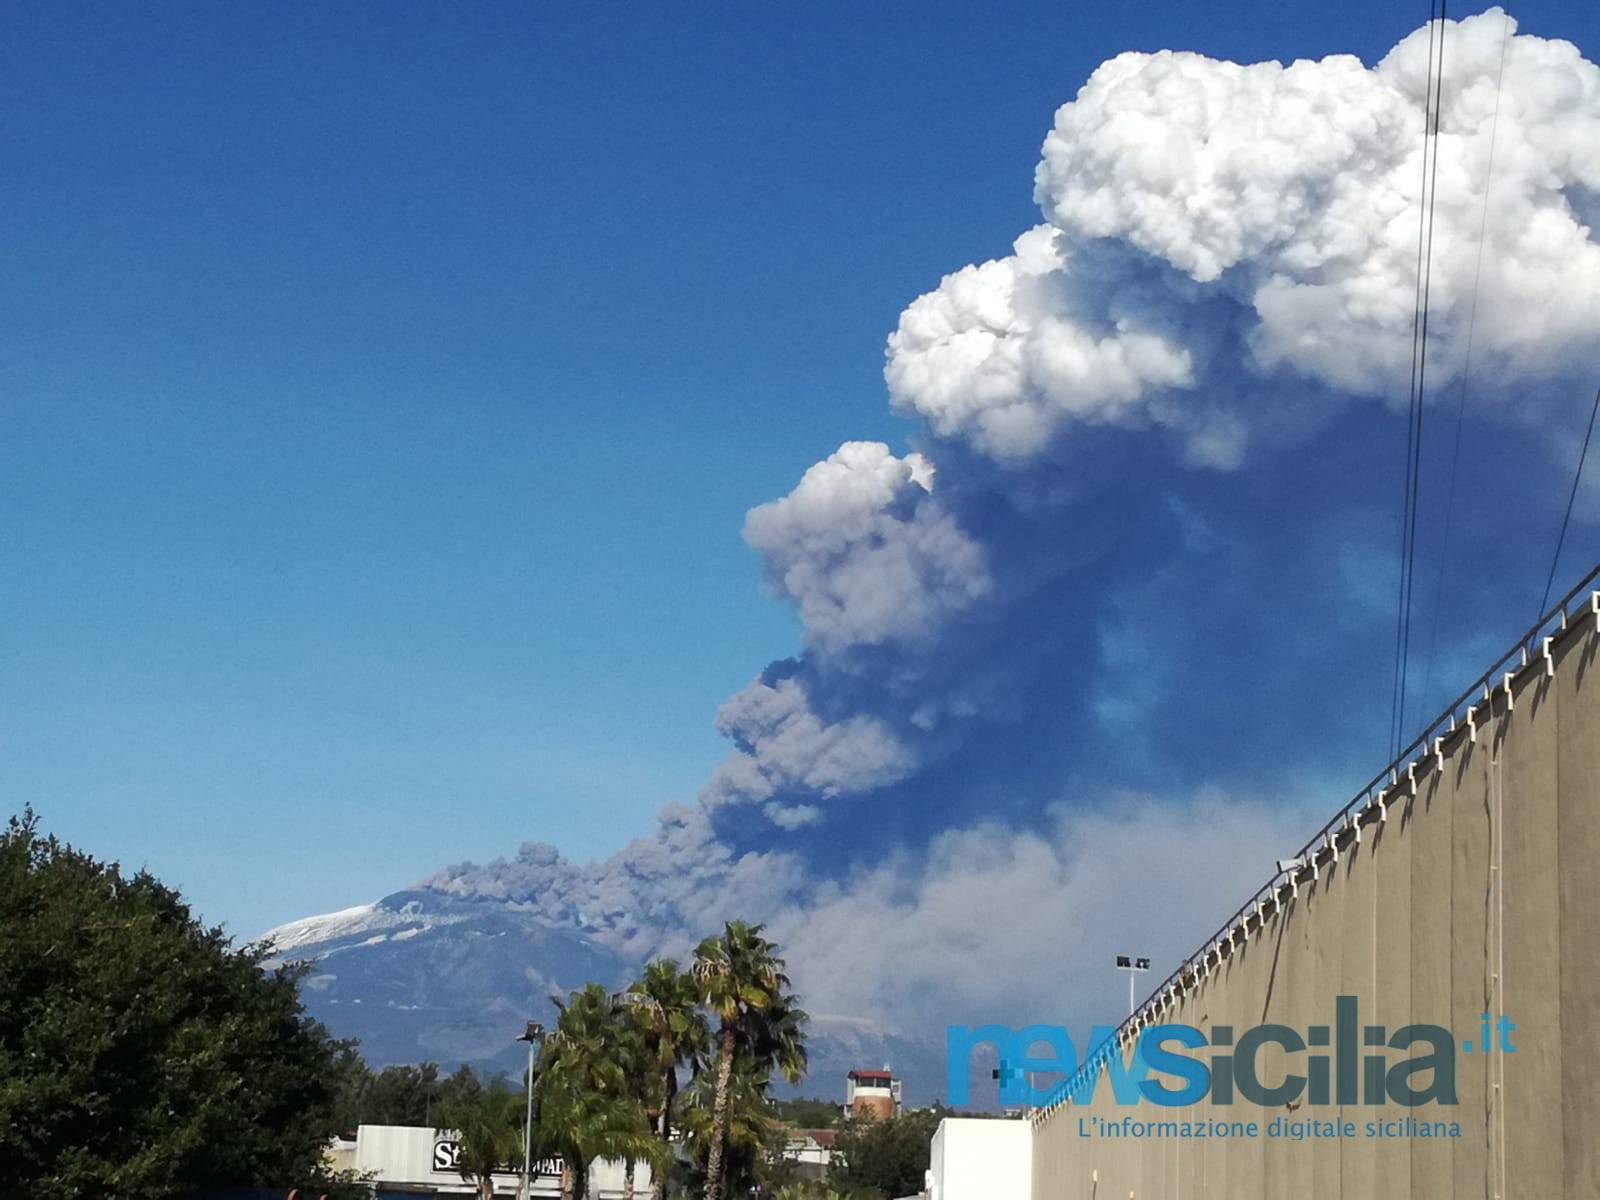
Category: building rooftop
<point>865,1074</point>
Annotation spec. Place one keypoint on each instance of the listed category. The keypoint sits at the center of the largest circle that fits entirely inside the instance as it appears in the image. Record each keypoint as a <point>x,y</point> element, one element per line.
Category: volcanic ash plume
<point>1140,558</point>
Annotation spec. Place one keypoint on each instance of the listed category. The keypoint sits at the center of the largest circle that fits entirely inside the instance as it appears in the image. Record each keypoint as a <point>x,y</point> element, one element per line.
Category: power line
<point>1466,364</point>
<point>1419,364</point>
<point>1571,498</point>
<point>1407,490</point>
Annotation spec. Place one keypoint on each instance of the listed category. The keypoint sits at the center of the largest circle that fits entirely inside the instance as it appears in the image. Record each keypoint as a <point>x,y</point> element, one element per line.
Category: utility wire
<point>1571,498</point>
<point>1411,407</point>
<point>1419,360</point>
<point>1422,372</point>
<point>1466,366</point>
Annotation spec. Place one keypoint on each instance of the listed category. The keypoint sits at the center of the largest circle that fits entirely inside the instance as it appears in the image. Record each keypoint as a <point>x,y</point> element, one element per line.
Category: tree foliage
<point>886,1157</point>
<point>812,1190</point>
<point>141,1053</point>
<point>592,1085</point>
<point>760,1026</point>
<point>663,1007</point>
<point>752,1138</point>
<point>405,1094</point>
<point>808,1112</point>
<point>488,1126</point>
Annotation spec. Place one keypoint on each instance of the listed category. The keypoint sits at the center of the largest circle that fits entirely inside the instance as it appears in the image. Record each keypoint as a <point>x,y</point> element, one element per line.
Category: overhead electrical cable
<point>1419,360</point>
<point>1571,498</point>
<point>1411,408</point>
<point>1466,365</point>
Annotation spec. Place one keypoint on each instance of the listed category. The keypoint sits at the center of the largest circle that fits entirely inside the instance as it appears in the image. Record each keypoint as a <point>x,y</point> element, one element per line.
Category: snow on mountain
<point>420,975</point>
<point>360,924</point>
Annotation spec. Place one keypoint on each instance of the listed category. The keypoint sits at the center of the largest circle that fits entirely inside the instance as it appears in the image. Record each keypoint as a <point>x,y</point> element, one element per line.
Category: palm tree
<point>589,1106</point>
<point>742,984</point>
<point>778,1039</point>
<point>752,1134</point>
<point>488,1129</point>
<point>664,1007</point>
<point>638,1080</point>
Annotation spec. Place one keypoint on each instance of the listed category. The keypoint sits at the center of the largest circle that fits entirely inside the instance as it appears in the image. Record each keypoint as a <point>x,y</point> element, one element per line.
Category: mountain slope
<point>423,976</point>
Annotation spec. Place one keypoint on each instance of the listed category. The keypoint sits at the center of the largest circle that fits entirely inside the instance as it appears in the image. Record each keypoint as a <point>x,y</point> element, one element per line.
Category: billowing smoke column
<point>1079,662</point>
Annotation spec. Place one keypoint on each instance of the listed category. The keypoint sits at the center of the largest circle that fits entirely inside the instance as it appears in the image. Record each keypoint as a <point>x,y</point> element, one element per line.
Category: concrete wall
<point>975,1159</point>
<point>1480,893</point>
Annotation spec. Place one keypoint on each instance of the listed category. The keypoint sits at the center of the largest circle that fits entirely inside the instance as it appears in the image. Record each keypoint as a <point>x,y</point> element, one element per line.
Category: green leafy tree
<point>397,1095</point>
<point>488,1125</point>
<point>409,1094</point>
<point>588,1093</point>
<point>886,1157</point>
<point>741,982</point>
<point>664,1009</point>
<point>463,1084</point>
<point>819,1191</point>
<point>141,1053</point>
<point>805,1112</point>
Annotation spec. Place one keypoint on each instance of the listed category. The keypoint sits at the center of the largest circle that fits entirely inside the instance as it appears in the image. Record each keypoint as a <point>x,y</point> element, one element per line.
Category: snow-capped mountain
<point>421,975</point>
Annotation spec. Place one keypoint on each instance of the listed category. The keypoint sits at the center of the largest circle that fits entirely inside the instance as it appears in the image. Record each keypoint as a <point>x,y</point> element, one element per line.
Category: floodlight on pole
<point>1132,964</point>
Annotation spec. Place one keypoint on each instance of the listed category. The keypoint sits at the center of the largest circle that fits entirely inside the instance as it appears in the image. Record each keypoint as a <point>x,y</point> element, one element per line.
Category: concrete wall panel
<point>1531,983</point>
<point>1578,850</point>
<point>1390,861</point>
<point>1323,934</point>
<point>1248,966</point>
<point>1427,825</point>
<point>1467,775</point>
<point>1359,955</point>
<point>1478,894</point>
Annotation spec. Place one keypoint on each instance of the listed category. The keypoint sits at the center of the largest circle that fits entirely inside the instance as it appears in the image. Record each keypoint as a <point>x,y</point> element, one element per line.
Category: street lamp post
<point>1132,965</point>
<point>534,1036</point>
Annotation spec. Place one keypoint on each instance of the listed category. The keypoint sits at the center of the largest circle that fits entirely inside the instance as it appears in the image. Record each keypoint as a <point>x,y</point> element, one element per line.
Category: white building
<point>811,1150</point>
<point>976,1159</point>
<point>410,1158</point>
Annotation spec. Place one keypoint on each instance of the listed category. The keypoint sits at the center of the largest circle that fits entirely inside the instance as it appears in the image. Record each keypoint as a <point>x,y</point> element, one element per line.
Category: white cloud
<point>1003,924</point>
<point>1192,201</point>
<point>1001,351</point>
<point>1218,237</point>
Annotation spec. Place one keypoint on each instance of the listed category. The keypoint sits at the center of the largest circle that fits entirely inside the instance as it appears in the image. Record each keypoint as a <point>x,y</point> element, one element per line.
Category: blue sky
<point>384,387</point>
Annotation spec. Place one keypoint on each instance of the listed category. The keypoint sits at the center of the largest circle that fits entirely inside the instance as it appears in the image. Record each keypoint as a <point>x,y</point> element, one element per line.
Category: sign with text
<point>447,1158</point>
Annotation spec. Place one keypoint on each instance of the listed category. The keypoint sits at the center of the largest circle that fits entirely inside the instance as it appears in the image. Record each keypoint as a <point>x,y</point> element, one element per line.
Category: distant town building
<point>810,1151</point>
<point>871,1094</point>
<point>414,1161</point>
